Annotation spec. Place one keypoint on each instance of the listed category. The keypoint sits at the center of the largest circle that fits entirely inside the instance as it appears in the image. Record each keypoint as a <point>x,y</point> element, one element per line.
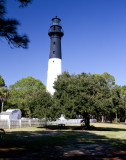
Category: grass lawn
<point>104,141</point>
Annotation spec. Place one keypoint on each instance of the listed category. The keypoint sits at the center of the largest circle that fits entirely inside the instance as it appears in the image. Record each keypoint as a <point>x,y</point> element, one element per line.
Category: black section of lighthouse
<point>55,56</point>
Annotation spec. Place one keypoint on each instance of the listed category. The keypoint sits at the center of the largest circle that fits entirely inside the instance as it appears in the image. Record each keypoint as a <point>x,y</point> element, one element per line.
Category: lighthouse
<point>55,56</point>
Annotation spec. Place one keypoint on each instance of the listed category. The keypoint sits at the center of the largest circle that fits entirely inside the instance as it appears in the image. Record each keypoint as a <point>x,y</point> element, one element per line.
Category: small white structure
<point>11,114</point>
<point>62,118</point>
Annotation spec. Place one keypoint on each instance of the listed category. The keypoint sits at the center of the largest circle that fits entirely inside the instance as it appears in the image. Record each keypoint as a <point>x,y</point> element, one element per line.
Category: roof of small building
<point>13,110</point>
<point>10,111</point>
<point>5,113</point>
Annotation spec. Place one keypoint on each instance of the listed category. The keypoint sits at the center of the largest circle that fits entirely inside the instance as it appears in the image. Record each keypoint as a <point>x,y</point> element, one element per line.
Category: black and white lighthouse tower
<point>55,56</point>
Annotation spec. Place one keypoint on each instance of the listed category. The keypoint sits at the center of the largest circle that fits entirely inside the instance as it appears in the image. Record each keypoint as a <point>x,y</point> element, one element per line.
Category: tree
<point>40,105</point>
<point>63,101</point>
<point>4,93</point>
<point>109,78</point>
<point>123,112</point>
<point>123,96</point>
<point>22,92</point>
<point>123,90</point>
<point>2,83</point>
<point>117,103</point>
<point>82,94</point>
<point>8,27</point>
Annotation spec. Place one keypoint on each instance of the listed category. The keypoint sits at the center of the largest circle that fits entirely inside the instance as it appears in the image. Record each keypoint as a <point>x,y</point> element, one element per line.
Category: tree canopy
<point>4,94</point>
<point>27,83</point>
<point>110,79</point>
<point>8,27</point>
<point>22,92</point>
<point>123,90</point>
<point>2,83</point>
<point>40,105</point>
<point>82,94</point>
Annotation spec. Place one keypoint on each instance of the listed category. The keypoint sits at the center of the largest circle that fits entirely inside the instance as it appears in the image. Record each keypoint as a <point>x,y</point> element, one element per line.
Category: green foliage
<point>123,90</point>
<point>40,104</point>
<point>82,94</point>
<point>116,99</point>
<point>8,27</point>
<point>22,91</point>
<point>116,94</point>
<point>109,78</point>
<point>123,113</point>
<point>2,83</point>
<point>27,84</point>
<point>123,98</point>
<point>4,94</point>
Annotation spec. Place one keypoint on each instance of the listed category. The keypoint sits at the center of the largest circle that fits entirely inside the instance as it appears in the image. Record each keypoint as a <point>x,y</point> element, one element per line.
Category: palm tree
<point>4,93</point>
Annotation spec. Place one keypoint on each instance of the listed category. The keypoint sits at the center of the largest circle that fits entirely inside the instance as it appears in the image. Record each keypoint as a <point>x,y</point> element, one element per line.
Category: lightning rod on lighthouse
<point>55,56</point>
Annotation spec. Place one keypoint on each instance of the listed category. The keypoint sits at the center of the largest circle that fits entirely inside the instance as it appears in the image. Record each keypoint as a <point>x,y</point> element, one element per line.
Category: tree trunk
<point>98,118</point>
<point>29,114</point>
<point>116,117</point>
<point>105,118</point>
<point>87,120</point>
<point>2,106</point>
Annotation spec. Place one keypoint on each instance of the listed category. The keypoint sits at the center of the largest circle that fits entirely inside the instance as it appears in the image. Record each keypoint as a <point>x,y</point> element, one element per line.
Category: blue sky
<point>94,39</point>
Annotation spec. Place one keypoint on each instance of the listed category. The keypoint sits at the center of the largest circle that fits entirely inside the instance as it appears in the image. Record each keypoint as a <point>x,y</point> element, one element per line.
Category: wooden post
<point>9,126</point>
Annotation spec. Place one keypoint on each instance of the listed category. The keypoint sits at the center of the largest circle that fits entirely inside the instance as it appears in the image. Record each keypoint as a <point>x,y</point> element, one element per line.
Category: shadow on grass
<point>60,144</point>
<point>55,127</point>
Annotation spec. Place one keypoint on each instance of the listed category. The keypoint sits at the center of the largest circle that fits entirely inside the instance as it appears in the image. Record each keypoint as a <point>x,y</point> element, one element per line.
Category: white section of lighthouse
<point>55,56</point>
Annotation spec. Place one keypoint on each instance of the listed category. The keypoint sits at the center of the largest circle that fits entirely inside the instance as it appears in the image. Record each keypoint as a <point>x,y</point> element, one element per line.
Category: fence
<point>20,123</point>
<point>31,122</point>
<point>69,121</point>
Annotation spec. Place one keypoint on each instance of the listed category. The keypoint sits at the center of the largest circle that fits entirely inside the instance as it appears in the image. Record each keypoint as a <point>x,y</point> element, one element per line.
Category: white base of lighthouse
<point>54,69</point>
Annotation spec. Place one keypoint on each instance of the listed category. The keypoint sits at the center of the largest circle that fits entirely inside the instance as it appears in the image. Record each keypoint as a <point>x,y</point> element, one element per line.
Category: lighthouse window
<point>53,52</point>
<point>54,42</point>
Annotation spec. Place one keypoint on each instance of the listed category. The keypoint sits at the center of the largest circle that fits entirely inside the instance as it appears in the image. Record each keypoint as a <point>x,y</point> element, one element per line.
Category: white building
<point>12,114</point>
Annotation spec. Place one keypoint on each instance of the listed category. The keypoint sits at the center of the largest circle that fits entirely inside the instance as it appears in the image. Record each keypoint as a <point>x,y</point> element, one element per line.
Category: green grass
<point>110,130</point>
<point>58,142</point>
